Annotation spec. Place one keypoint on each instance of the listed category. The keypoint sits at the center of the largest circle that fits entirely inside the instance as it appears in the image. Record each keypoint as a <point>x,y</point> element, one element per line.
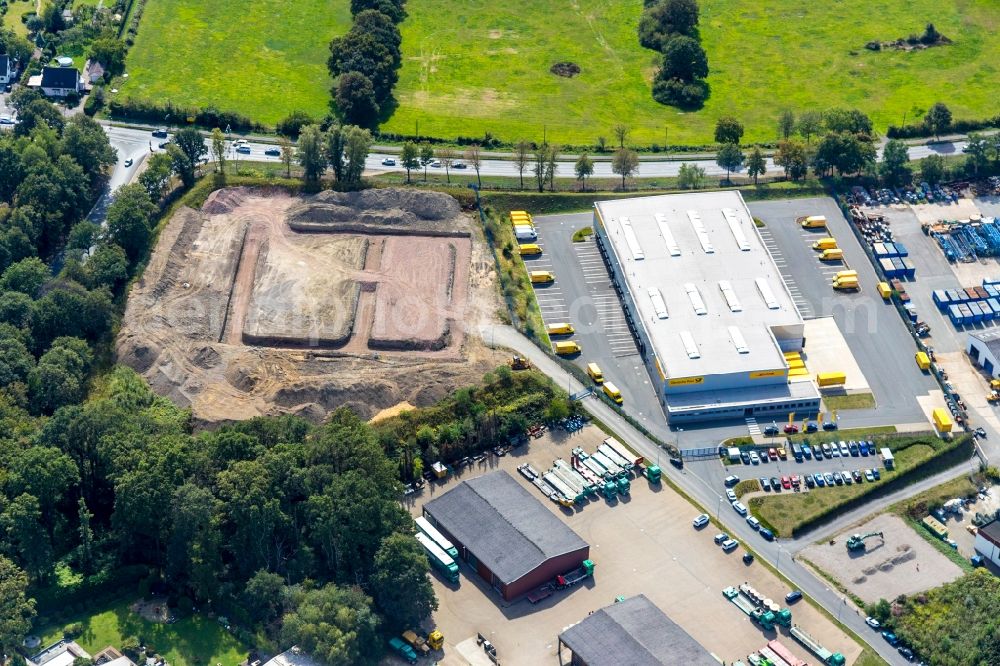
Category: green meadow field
<point>261,58</point>
<point>472,66</point>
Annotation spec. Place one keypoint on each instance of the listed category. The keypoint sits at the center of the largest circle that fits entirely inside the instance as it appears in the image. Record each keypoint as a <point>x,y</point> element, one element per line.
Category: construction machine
<point>857,541</point>
<point>519,363</point>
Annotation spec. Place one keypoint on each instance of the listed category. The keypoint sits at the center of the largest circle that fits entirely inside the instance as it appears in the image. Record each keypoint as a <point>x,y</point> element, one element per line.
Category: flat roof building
<point>505,533</point>
<point>708,306</point>
<point>633,632</point>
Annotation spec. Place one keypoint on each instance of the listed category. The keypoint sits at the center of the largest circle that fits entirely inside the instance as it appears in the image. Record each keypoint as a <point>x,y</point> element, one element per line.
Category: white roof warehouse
<point>707,302</point>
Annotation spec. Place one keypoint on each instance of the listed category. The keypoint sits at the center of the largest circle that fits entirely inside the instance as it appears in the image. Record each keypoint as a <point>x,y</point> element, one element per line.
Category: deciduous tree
<point>938,119</point>
<point>473,156</point>
<point>894,167</point>
<point>409,158</point>
<point>584,167</point>
<point>522,155</point>
<point>756,164</point>
<point>399,583</point>
<point>729,157</point>
<point>16,608</point>
<point>128,220</point>
<point>625,163</point>
<point>310,153</point>
<point>728,130</point>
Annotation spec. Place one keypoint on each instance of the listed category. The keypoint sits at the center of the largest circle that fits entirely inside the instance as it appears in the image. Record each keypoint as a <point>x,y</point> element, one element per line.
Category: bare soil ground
<point>901,563</point>
<point>264,303</point>
<point>641,544</point>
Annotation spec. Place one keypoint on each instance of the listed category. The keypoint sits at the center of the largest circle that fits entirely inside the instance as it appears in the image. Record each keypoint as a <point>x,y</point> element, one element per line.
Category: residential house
<point>7,70</point>
<point>60,653</point>
<point>60,81</point>
<point>93,71</point>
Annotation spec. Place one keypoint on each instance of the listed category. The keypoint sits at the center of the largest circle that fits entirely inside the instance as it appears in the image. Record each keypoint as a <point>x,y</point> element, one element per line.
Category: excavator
<point>857,541</point>
<point>519,363</point>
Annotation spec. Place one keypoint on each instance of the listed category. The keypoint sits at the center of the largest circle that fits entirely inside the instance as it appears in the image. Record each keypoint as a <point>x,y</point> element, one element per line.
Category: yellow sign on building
<point>686,381</point>
<point>760,374</point>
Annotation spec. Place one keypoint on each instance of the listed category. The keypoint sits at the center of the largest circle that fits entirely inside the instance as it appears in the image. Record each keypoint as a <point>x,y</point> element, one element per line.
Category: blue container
<point>888,268</point>
<point>897,263</point>
<point>890,250</point>
<point>988,313</point>
<point>956,297</point>
<point>956,316</point>
<point>879,250</point>
<point>977,312</point>
<point>901,250</point>
<point>992,280</point>
<point>911,311</point>
<point>994,305</point>
<point>966,313</point>
<point>991,291</point>
<point>909,269</point>
<point>941,299</point>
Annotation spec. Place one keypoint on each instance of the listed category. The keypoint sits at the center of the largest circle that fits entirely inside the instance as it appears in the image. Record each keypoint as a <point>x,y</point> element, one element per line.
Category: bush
<point>674,92</point>
<point>71,631</point>
<point>145,110</point>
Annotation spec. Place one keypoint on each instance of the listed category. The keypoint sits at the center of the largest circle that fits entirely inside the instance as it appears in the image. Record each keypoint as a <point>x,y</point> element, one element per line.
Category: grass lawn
<point>261,58</point>
<point>479,66</point>
<point>193,641</point>
<point>12,19</point>
<point>849,401</point>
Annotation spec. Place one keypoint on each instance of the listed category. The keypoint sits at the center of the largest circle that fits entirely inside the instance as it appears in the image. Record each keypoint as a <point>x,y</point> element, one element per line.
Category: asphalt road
<point>705,494</point>
<point>565,168</point>
<point>876,336</point>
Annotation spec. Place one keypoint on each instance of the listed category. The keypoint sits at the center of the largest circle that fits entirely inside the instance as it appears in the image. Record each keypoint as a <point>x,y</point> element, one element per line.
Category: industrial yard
<point>263,303</point>
<point>640,543</point>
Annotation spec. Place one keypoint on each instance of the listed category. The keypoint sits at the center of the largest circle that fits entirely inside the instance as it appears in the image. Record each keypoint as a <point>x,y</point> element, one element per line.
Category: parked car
<point>980,432</point>
<point>773,453</point>
<point>838,479</point>
<point>771,431</point>
<point>876,473</point>
<point>829,479</point>
<point>812,426</point>
<point>844,450</point>
<point>754,458</point>
<point>763,456</point>
<point>786,483</point>
<point>272,152</point>
<point>753,523</point>
<point>795,480</point>
<point>906,653</point>
<point>830,425</point>
<point>791,429</point>
<point>729,544</point>
<point>388,161</point>
<point>700,521</point>
<point>857,476</point>
<point>775,483</point>
<point>782,454</point>
<point>817,452</point>
<point>869,476</point>
<point>810,481</point>
<point>160,133</point>
<point>853,448</point>
<point>872,622</point>
<point>820,481</point>
<point>731,480</point>
<point>764,483</point>
<point>740,508</point>
<point>826,449</point>
<point>128,162</point>
<point>767,534</point>
<point>730,495</point>
<point>745,457</point>
<point>807,451</point>
<point>792,597</point>
<point>890,638</point>
<point>721,537</point>
<point>747,558</point>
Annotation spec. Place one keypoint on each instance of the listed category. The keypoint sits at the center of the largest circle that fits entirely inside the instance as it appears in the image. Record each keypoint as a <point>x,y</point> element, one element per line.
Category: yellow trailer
<point>567,348</point>
<point>542,276</point>
<point>831,379</point>
<point>884,290</point>
<point>923,360</point>
<point>942,419</point>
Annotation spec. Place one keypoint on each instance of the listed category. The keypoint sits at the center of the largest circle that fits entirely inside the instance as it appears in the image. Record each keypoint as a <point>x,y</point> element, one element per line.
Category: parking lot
<point>880,343</point>
<point>643,544</point>
<point>582,295</point>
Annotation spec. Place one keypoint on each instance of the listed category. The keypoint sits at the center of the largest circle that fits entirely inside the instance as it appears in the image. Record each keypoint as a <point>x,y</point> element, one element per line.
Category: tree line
<point>364,63</point>
<point>671,27</point>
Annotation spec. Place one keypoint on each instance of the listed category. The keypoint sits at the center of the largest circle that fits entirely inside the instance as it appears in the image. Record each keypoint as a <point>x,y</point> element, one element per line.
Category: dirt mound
<point>565,69</point>
<point>225,200</point>
<point>387,207</point>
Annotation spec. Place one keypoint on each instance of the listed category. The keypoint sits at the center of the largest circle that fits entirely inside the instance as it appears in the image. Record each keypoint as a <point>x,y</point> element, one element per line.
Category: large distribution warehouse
<point>710,311</point>
<point>502,531</point>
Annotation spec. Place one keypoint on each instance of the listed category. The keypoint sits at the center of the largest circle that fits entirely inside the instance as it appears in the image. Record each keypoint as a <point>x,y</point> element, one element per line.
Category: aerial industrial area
<point>425,332</point>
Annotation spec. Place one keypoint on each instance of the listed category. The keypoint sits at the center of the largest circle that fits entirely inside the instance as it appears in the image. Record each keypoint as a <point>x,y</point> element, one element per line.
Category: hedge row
<point>919,130</point>
<point>160,112</point>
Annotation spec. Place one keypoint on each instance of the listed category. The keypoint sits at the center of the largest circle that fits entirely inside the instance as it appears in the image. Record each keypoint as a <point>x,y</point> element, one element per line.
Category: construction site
<point>262,302</point>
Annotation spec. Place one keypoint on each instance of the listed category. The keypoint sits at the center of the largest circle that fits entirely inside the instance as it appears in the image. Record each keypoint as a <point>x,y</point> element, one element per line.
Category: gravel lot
<point>644,544</point>
<point>904,563</point>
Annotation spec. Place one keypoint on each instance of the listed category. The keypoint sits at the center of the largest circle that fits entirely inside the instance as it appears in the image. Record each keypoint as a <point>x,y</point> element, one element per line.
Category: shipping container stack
<point>971,305</point>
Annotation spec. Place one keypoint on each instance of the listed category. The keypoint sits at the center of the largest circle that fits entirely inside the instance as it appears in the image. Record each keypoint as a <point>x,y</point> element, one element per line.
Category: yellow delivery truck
<point>813,222</point>
<point>560,328</point>
<point>567,348</point>
<point>612,392</point>
<point>529,249</point>
<point>594,371</point>
<point>541,277</point>
<point>833,254</point>
<point>825,244</point>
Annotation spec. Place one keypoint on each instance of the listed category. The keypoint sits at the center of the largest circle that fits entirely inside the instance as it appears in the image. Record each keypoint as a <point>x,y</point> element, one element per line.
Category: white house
<point>988,542</point>
<point>6,70</point>
<point>60,81</point>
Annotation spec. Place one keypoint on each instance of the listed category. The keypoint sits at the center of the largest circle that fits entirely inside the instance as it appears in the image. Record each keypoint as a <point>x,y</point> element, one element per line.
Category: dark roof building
<point>502,530</point>
<point>60,78</point>
<point>633,632</point>
<point>987,541</point>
